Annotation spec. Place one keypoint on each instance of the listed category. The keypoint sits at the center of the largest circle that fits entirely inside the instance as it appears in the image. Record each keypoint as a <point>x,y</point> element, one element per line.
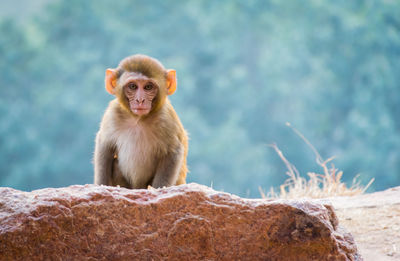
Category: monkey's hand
<point>103,160</point>
<point>168,168</point>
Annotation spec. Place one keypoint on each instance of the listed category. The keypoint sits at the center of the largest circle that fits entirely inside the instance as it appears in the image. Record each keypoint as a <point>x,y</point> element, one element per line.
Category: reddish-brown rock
<point>187,222</point>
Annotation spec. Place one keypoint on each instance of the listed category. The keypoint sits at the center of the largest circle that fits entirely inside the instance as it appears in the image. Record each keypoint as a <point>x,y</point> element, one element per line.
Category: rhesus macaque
<point>141,140</point>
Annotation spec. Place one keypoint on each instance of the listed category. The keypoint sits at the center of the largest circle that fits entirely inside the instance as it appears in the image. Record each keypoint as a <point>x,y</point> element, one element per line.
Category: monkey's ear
<point>171,81</point>
<point>111,80</point>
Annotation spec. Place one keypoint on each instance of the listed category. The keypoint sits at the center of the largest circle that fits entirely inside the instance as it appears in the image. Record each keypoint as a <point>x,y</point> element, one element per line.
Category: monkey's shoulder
<point>170,121</point>
<point>162,128</point>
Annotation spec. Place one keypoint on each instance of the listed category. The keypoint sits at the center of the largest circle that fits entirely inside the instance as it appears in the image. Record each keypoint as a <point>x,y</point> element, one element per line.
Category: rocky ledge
<point>187,222</point>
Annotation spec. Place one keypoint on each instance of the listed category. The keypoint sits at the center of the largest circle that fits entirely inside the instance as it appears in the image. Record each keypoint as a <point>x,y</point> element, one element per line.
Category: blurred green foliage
<point>245,68</point>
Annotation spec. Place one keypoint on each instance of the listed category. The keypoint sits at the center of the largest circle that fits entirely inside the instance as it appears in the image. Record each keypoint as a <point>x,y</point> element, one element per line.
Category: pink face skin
<point>140,92</point>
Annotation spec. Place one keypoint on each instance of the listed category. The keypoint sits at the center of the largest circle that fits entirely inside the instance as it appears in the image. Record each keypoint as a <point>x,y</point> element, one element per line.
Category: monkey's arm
<point>168,168</point>
<point>103,162</point>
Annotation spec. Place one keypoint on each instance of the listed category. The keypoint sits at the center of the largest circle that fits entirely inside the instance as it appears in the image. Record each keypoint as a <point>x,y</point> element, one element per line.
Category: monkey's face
<point>141,84</point>
<point>140,92</point>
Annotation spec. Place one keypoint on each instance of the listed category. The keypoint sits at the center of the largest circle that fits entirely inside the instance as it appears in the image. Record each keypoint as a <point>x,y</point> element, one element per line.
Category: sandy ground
<point>374,221</point>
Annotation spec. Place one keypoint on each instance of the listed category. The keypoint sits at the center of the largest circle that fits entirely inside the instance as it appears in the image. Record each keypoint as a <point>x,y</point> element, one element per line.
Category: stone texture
<point>187,222</point>
<point>374,221</point>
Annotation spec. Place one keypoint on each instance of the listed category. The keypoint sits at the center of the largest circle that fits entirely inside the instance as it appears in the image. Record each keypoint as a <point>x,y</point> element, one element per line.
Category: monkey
<point>141,141</point>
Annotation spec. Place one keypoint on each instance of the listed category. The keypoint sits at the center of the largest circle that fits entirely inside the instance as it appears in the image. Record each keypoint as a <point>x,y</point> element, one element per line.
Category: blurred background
<point>245,68</point>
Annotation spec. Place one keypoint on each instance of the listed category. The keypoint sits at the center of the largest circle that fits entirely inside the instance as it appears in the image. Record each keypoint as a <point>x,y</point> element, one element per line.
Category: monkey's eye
<point>132,86</point>
<point>148,87</point>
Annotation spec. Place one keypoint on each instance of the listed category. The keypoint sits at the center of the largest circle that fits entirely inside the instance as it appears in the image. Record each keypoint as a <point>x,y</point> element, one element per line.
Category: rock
<point>374,221</point>
<point>373,200</point>
<point>186,222</point>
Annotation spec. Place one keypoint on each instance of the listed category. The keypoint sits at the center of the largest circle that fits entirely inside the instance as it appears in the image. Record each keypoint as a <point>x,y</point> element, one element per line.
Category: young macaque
<point>141,140</point>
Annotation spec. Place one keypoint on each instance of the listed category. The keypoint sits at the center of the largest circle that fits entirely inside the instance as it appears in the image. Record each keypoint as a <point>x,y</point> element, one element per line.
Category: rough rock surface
<point>374,221</point>
<point>187,222</point>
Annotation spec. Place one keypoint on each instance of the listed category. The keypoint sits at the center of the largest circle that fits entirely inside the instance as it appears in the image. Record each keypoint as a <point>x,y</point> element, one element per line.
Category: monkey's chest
<point>138,152</point>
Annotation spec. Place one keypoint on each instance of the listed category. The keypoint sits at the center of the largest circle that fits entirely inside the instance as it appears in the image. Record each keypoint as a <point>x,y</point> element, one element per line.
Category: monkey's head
<point>141,84</point>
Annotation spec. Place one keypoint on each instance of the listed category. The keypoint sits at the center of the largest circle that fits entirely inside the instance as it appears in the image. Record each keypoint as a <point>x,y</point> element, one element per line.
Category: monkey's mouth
<point>140,110</point>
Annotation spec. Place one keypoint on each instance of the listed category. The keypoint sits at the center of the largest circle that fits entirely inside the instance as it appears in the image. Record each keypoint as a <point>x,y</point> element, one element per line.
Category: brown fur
<point>136,151</point>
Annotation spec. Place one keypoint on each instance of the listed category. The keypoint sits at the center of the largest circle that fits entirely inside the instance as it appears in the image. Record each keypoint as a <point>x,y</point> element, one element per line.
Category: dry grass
<point>327,184</point>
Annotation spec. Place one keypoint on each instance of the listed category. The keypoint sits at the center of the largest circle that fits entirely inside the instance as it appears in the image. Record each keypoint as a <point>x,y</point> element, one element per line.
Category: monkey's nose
<point>140,100</point>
